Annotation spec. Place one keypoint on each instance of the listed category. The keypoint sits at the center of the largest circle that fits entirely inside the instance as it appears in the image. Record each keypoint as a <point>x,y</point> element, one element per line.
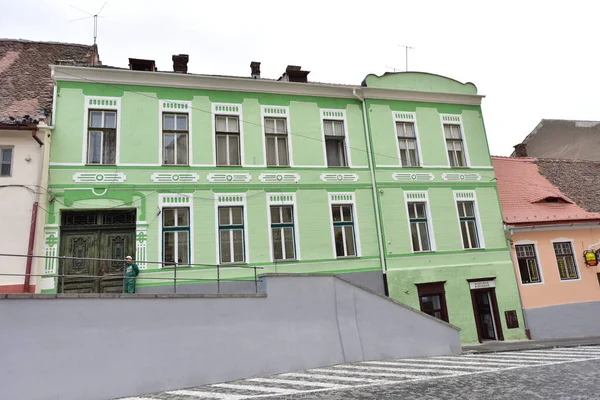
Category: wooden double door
<point>108,244</point>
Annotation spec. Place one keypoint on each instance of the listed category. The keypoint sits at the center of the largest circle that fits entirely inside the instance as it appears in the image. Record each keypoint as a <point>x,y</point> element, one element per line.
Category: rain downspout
<point>374,190</point>
<point>515,265</point>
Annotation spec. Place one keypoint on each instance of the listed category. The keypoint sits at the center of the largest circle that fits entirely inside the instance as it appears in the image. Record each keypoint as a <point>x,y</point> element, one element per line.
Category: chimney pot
<point>255,67</point>
<point>521,150</point>
<point>180,62</point>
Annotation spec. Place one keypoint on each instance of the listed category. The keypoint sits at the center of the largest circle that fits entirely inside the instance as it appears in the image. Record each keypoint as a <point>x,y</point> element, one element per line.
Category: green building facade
<point>389,183</point>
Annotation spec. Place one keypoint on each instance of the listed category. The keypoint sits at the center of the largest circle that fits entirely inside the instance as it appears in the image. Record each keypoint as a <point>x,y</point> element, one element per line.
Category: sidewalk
<point>493,346</point>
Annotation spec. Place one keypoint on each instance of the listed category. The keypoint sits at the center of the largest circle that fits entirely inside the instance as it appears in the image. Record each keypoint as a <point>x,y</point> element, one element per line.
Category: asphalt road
<point>561,373</point>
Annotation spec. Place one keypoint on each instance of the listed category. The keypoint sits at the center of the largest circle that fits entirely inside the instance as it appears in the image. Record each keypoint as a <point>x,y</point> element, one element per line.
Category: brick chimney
<point>180,62</point>
<point>294,73</point>
<point>255,67</point>
<point>521,150</point>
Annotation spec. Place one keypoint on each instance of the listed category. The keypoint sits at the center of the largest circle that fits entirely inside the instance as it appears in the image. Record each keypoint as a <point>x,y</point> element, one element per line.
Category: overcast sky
<point>532,59</point>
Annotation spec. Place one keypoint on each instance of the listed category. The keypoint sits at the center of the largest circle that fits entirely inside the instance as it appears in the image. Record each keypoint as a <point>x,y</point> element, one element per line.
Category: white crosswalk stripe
<point>387,372</point>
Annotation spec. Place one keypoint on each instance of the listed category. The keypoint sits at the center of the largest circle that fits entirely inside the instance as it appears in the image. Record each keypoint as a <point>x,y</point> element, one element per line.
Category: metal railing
<point>168,266</point>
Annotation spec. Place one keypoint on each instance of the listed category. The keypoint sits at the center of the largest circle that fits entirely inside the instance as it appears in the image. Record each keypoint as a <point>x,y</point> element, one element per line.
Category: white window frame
<point>231,200</point>
<point>336,115</point>
<point>174,107</point>
<point>575,258</point>
<point>176,237</point>
<point>405,116</point>
<point>183,201</point>
<point>283,199</point>
<point>105,104</point>
<point>469,195</point>
<point>420,196</point>
<point>455,119</point>
<point>537,259</point>
<point>227,110</point>
<point>349,198</point>
<point>276,112</point>
<point>12,160</point>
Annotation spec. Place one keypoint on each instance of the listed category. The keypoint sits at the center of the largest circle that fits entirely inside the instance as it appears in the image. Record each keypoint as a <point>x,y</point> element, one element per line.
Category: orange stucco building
<point>551,220</point>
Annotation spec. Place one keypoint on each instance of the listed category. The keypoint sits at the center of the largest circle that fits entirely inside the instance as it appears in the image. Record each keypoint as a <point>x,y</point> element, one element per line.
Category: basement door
<point>93,238</point>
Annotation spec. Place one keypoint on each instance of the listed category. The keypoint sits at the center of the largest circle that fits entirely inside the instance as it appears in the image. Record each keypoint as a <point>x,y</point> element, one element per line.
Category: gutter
<point>32,128</point>
<point>375,192</point>
<point>508,229</point>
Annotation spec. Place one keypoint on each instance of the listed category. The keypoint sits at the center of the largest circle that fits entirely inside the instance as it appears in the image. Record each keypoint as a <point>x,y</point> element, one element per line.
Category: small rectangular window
<point>175,139</point>
<point>282,232</point>
<point>407,143</point>
<point>565,261</point>
<point>102,137</point>
<point>176,236</point>
<point>432,299</point>
<point>6,156</point>
<point>468,224</point>
<point>227,132</point>
<point>335,143</point>
<point>231,235</point>
<point>343,230</point>
<point>454,145</point>
<point>419,230</point>
<point>276,142</point>
<point>528,266</point>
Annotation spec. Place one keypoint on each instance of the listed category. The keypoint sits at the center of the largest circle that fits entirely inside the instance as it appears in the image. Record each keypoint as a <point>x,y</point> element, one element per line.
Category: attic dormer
<point>553,200</point>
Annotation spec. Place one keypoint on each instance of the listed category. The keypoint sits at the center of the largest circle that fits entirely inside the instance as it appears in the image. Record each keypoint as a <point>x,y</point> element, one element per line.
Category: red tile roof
<point>26,86</point>
<point>527,197</point>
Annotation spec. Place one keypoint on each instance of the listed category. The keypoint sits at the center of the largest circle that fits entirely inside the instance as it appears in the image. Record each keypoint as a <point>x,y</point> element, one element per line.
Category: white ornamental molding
<point>99,177</point>
<point>279,178</point>
<point>339,177</point>
<point>416,177</point>
<point>51,251</point>
<point>458,177</point>
<point>228,178</point>
<point>166,177</point>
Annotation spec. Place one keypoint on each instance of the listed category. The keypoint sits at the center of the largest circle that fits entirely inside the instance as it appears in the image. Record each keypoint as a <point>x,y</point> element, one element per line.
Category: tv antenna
<point>95,16</point>
<point>406,53</point>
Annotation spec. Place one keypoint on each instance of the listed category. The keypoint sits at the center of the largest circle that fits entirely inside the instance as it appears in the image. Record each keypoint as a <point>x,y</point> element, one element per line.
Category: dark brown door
<point>79,245</point>
<point>485,313</point>
<point>114,245</point>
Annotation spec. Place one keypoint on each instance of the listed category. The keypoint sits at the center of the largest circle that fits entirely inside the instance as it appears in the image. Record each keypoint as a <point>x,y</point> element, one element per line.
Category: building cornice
<point>554,226</point>
<point>226,83</point>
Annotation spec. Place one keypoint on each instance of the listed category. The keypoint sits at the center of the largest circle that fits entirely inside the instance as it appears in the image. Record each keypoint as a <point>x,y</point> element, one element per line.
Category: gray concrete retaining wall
<point>55,347</point>
<point>575,320</point>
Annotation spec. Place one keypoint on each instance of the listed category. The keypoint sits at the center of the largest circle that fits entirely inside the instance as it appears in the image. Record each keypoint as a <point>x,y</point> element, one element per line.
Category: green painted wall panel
<point>431,136</point>
<point>139,127</point>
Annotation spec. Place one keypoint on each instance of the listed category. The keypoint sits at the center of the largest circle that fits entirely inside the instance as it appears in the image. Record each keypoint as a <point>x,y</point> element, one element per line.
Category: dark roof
<point>26,86</point>
<point>578,180</point>
<point>564,139</point>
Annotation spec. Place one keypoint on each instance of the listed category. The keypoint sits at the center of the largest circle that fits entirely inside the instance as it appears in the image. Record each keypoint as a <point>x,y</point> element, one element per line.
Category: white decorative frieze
<point>166,177</point>
<point>279,178</point>
<point>99,177</point>
<point>275,111</point>
<point>281,198</point>
<point>174,200</point>
<point>230,199</point>
<point>458,177</point>
<point>339,177</point>
<point>50,251</point>
<point>228,178</point>
<point>141,240</point>
<point>417,176</point>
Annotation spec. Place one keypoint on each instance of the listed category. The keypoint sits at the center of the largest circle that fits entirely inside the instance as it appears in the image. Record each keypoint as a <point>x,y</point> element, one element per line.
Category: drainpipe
<point>374,190</point>
<point>34,212</point>
<point>515,264</point>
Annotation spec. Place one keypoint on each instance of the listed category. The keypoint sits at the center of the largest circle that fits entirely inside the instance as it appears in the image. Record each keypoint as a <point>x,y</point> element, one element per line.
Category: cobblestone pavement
<point>560,373</point>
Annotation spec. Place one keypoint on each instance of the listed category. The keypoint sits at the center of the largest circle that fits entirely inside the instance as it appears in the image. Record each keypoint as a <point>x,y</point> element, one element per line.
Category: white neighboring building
<point>26,103</point>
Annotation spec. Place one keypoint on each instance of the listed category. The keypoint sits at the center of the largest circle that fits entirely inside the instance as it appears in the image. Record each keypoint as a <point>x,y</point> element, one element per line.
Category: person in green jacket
<point>131,273</point>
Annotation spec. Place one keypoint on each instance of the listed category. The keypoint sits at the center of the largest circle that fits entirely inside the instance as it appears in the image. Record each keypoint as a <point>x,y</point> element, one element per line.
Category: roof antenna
<point>95,16</point>
<point>406,53</point>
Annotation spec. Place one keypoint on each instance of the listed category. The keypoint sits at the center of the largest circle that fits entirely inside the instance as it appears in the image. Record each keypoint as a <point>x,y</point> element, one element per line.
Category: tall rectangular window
<point>282,232</point>
<point>335,143</point>
<point>432,299</point>
<point>277,142</point>
<point>407,143</point>
<point>468,224</point>
<point>231,235</point>
<point>175,139</point>
<point>343,230</point>
<point>176,235</point>
<point>419,231</point>
<point>102,137</point>
<point>6,156</point>
<point>528,266</point>
<point>454,145</point>
<point>228,140</point>
<point>565,261</point>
